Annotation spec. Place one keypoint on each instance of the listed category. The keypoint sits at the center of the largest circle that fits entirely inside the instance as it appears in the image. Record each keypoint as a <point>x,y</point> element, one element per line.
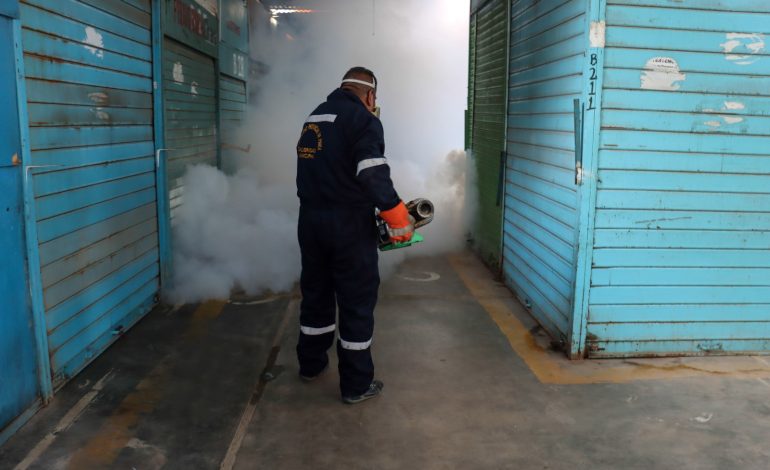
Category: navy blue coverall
<point>342,176</point>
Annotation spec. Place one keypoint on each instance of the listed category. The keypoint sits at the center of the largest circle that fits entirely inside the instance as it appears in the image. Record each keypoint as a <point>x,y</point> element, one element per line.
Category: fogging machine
<point>421,210</point>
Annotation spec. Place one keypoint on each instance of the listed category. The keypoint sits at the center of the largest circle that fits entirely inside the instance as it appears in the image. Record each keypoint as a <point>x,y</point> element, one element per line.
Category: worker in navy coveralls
<point>342,176</point>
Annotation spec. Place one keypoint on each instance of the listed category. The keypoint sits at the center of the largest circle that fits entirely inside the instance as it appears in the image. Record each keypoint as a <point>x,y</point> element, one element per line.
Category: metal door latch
<point>157,155</point>
<point>32,167</point>
<point>579,118</point>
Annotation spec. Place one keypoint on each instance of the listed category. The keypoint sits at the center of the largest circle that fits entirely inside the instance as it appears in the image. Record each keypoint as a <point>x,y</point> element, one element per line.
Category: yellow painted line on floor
<point>203,315</point>
<point>555,368</point>
<point>102,449</point>
<point>118,429</point>
<point>67,420</point>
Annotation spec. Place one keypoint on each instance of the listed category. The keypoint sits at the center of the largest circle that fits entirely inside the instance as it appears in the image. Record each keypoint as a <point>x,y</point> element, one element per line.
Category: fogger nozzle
<point>421,210</point>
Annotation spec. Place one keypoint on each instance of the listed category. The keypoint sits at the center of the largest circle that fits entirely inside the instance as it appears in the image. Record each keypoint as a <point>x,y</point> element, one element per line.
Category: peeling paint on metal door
<point>681,259</point>
<point>88,68</point>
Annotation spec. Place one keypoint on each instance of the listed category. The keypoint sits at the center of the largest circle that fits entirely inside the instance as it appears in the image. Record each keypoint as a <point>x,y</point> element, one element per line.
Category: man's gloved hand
<point>400,223</point>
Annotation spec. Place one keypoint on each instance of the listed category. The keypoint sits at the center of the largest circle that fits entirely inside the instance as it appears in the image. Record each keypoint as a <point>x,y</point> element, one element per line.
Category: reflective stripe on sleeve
<point>353,346</point>
<point>310,331</point>
<point>370,163</point>
<point>321,118</point>
<point>400,232</point>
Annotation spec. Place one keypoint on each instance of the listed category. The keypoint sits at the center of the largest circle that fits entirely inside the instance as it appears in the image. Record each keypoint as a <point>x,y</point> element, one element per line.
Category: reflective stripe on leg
<point>310,331</point>
<point>353,346</point>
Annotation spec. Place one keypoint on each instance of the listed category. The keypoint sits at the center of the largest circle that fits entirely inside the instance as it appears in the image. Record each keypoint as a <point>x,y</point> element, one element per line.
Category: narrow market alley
<point>470,382</point>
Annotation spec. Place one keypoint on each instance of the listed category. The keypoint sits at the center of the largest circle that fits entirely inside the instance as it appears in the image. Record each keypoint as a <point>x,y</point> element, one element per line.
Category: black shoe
<point>374,389</point>
<point>310,378</point>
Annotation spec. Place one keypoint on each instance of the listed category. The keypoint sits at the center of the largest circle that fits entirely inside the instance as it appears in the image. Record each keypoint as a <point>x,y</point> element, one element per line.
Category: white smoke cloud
<point>239,231</point>
<point>231,232</point>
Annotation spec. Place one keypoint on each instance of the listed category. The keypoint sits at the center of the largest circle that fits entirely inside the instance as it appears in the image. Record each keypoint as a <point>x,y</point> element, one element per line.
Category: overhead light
<point>283,10</point>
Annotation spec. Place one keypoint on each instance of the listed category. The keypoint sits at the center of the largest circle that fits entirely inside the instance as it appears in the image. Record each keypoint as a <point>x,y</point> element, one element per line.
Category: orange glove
<point>400,223</point>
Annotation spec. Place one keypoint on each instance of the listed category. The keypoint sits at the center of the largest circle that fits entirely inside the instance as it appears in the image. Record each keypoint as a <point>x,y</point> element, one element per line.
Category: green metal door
<point>190,113</point>
<point>487,121</point>
<point>471,82</point>
<point>233,67</point>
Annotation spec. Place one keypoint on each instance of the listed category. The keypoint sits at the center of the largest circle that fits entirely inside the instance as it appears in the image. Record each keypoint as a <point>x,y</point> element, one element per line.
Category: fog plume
<point>237,229</point>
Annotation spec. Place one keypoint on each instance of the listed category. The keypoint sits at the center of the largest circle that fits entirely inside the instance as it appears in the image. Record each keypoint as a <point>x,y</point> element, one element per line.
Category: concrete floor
<point>469,383</point>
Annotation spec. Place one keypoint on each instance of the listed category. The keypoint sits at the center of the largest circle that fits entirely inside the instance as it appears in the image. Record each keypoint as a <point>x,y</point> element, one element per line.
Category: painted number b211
<point>592,83</point>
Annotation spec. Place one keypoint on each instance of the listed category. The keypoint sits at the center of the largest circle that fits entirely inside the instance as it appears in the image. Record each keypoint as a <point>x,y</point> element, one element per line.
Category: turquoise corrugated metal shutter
<point>232,108</point>
<point>546,65</point>
<point>488,122</point>
<point>681,258</point>
<point>190,113</point>
<point>19,380</point>
<point>89,87</point>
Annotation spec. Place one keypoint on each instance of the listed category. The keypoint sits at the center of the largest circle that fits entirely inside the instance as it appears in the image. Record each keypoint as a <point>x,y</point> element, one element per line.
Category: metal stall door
<point>88,72</point>
<point>541,208</point>
<point>233,70</point>
<point>681,259</point>
<point>471,83</point>
<point>487,139</point>
<point>19,385</point>
<point>190,114</point>
<point>232,110</point>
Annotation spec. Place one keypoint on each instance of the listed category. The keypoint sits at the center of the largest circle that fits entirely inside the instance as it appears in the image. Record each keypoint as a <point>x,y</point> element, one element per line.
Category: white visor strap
<point>360,82</point>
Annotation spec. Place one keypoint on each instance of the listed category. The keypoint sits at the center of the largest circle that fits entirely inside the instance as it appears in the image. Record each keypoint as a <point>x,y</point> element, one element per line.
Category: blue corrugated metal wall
<point>681,262</point>
<point>19,385</point>
<point>89,87</point>
<point>546,67</point>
